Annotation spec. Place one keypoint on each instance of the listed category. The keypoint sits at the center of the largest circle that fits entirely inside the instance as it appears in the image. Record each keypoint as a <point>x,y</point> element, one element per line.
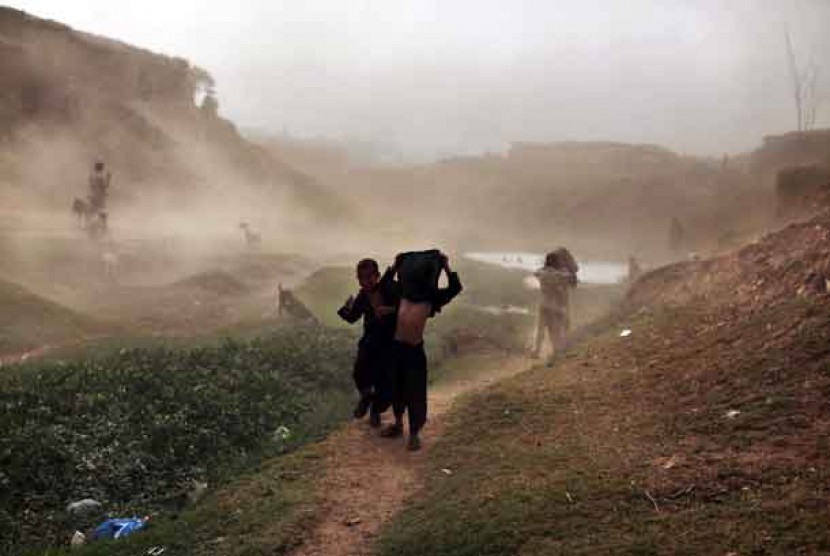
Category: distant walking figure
<point>677,235</point>
<point>556,278</point>
<point>634,268</point>
<point>92,213</point>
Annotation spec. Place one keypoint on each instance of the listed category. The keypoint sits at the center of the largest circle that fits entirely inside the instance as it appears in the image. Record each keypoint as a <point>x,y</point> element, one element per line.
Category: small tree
<point>200,80</point>
<point>804,87</point>
<point>210,105</point>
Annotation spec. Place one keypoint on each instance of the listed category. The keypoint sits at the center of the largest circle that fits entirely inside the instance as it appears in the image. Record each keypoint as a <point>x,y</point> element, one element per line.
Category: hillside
<point>703,432</point>
<point>606,199</point>
<point>70,98</point>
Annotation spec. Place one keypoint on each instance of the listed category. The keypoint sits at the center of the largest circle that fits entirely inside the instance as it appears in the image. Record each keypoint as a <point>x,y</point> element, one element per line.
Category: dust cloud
<point>360,132</point>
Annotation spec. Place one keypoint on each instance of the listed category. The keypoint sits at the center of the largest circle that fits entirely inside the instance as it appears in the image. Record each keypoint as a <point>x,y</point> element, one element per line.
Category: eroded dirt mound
<point>792,262</point>
<point>28,321</point>
<point>217,282</point>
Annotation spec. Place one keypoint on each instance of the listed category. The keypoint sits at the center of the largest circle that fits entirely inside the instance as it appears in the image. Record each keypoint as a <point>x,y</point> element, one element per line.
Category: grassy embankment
<point>135,428</point>
<point>704,432</point>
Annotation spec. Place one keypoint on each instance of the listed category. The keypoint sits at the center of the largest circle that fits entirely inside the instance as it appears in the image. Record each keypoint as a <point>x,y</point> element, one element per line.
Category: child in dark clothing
<point>409,377</point>
<point>376,303</point>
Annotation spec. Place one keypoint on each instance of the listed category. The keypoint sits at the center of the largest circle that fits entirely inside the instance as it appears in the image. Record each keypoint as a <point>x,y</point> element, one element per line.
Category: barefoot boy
<point>420,299</point>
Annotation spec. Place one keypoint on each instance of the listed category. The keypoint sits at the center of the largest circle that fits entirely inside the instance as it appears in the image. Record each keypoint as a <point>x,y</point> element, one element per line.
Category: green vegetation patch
<point>268,511</point>
<point>136,428</point>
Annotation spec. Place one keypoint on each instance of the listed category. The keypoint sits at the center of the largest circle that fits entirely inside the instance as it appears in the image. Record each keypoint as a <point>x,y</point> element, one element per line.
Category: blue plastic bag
<point>119,528</point>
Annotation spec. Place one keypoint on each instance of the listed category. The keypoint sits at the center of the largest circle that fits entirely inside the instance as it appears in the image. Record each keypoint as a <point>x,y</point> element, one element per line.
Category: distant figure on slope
<point>92,213</point>
<point>99,184</point>
<point>556,278</point>
<point>634,268</point>
<point>677,235</point>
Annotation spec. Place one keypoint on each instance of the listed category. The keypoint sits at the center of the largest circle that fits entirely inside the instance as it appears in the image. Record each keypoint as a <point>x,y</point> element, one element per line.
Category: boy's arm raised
<point>353,308</point>
<point>388,275</point>
<point>444,295</point>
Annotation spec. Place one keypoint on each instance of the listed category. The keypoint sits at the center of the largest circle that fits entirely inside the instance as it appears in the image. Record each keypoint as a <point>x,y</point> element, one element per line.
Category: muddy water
<point>590,272</point>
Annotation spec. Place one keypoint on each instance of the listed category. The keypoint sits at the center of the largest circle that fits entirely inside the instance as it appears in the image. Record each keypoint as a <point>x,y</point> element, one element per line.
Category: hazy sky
<point>437,77</point>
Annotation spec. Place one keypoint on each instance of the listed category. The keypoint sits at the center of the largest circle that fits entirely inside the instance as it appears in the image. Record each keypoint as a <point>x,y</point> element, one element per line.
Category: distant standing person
<point>556,278</point>
<point>99,184</point>
<point>677,235</point>
<point>634,268</point>
<point>421,298</point>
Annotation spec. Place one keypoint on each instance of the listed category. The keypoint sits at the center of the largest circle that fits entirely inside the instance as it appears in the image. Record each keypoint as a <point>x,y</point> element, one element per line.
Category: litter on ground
<point>118,528</point>
<point>83,505</point>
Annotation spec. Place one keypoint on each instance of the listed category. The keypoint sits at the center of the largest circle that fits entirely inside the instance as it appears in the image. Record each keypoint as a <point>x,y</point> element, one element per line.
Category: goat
<point>252,239</point>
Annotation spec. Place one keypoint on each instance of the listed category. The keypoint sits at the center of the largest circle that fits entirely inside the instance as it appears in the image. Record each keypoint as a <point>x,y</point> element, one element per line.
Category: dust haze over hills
<point>160,368</point>
<point>72,98</point>
<point>431,79</point>
<point>185,177</point>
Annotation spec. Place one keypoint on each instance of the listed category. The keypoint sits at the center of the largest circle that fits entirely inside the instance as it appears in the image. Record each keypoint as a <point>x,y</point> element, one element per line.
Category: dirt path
<point>368,478</point>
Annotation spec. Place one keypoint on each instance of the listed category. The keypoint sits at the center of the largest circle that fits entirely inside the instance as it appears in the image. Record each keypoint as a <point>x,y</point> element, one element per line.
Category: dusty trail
<point>369,478</point>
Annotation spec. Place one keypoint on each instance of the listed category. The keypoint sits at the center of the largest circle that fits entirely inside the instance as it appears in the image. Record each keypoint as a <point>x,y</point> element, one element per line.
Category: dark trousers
<point>409,384</point>
<point>372,370</point>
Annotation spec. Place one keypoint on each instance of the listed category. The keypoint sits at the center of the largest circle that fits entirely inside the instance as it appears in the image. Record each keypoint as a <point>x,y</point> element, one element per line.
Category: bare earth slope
<point>30,322</point>
<point>69,98</point>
